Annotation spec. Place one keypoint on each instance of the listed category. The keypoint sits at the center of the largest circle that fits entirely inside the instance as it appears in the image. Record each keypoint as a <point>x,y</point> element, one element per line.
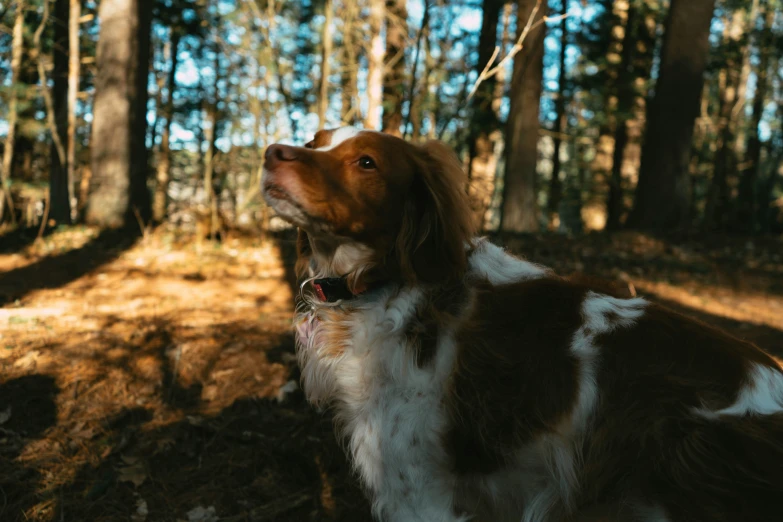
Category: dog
<point>470,384</point>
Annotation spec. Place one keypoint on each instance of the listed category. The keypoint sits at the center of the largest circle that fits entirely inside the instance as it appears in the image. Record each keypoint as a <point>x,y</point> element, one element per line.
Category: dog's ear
<point>304,252</point>
<point>437,222</point>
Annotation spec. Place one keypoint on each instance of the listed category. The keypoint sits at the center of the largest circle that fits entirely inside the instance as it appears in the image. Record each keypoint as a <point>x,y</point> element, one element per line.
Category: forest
<point>147,367</point>
<point>609,115</point>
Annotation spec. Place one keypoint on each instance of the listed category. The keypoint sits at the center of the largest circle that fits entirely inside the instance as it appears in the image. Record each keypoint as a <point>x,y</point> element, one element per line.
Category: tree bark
<point>162,173</point>
<point>17,48</point>
<point>394,79</point>
<point>59,195</point>
<point>118,149</point>
<point>74,72</point>
<point>375,65</point>
<point>326,70</point>
<point>561,122</point>
<point>520,205</point>
<point>662,195</point>
<point>350,78</point>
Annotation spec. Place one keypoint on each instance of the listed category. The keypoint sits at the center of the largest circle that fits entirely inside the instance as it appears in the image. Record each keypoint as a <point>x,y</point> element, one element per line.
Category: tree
<point>375,65</point>
<point>484,124</point>
<point>394,79</point>
<point>74,69</point>
<point>326,54</point>
<point>119,155</point>
<point>561,120</point>
<point>731,98</point>
<point>350,112</point>
<point>163,170</point>
<point>17,46</point>
<point>634,65</point>
<point>748,198</point>
<point>59,194</point>
<point>662,195</point>
<point>520,206</point>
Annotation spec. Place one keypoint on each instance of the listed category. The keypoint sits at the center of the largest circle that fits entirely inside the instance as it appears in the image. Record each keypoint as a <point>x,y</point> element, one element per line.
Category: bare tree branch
<point>490,71</point>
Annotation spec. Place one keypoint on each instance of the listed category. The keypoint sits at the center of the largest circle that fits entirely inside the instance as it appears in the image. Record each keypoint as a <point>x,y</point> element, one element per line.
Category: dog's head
<point>370,205</point>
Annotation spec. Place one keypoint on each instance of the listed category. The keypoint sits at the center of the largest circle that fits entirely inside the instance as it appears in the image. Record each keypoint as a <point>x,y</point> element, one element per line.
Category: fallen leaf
<point>133,472</point>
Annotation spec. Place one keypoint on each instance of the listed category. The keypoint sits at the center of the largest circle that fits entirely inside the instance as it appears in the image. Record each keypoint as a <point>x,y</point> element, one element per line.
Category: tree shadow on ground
<point>57,270</point>
<point>20,238</point>
<point>752,264</point>
<point>27,411</point>
<point>139,430</point>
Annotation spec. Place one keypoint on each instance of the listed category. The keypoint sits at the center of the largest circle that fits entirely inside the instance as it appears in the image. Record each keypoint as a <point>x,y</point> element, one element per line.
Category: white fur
<point>761,395</point>
<point>499,267</point>
<point>389,409</point>
<point>339,136</point>
<point>344,258</point>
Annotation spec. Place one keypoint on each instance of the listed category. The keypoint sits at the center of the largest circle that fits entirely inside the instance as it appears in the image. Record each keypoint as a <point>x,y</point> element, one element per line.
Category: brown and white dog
<point>473,385</point>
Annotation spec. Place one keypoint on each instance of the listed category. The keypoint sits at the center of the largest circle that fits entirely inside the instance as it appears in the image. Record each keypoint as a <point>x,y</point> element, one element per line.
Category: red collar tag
<point>319,291</point>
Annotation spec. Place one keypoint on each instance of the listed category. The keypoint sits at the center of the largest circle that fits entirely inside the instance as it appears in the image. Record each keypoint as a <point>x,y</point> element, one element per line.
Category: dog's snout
<point>277,153</point>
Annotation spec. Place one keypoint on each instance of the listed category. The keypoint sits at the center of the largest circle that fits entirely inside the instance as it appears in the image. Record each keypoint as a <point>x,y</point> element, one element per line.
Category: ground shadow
<point>57,270</point>
<point>737,263</point>
<point>27,410</point>
<point>20,238</point>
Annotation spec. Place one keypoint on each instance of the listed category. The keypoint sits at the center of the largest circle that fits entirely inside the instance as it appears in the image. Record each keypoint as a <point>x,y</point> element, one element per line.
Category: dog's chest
<point>389,408</point>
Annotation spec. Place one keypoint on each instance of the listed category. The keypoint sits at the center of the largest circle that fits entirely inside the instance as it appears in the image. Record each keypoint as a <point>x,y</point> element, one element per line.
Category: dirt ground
<point>153,380</point>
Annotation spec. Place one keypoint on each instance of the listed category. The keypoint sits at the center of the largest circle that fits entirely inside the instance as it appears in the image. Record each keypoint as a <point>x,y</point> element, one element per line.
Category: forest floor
<point>146,380</point>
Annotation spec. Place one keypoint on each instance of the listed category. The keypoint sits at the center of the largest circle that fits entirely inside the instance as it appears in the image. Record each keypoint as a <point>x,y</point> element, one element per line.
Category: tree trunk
<point>326,70</point>
<point>59,196</point>
<point>141,202</point>
<point>738,111</point>
<point>555,185</point>
<point>162,173</point>
<point>662,195</point>
<point>482,163</point>
<point>17,48</point>
<point>394,79</point>
<point>747,199</point>
<point>520,205</point>
<point>725,164</point>
<point>209,157</point>
<point>350,78</point>
<point>625,99</point>
<point>375,66</point>
<point>119,154</point>
<point>74,72</point>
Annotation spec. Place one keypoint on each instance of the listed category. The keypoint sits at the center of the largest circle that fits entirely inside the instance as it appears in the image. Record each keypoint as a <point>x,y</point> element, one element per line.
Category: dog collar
<point>331,289</point>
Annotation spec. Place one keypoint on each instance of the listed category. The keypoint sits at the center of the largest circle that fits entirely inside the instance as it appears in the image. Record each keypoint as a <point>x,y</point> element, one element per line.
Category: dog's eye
<point>309,144</point>
<point>367,163</point>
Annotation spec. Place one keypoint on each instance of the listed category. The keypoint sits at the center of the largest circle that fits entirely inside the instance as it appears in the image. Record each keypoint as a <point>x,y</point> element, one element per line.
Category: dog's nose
<point>276,153</point>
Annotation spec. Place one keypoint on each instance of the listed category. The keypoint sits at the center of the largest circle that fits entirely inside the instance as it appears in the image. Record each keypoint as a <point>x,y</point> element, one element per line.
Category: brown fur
<point>423,243</point>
